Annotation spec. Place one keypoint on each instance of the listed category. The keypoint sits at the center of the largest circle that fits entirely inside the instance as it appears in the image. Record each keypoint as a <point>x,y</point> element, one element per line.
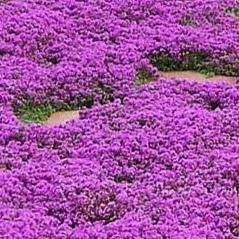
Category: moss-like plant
<point>29,112</point>
<point>143,77</point>
<point>164,63</point>
<point>195,61</point>
<point>208,73</point>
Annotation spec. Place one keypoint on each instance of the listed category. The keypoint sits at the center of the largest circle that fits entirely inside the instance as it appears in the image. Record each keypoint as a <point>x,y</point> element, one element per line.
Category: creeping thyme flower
<point>146,158</point>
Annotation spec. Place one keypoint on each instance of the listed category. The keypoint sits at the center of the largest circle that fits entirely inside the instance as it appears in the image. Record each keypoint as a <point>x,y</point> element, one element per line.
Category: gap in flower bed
<point>192,61</point>
<point>61,117</point>
<point>197,77</point>
<point>143,77</point>
<point>58,113</point>
<point>232,11</point>
<point>194,65</point>
<point>188,61</point>
<point>47,113</point>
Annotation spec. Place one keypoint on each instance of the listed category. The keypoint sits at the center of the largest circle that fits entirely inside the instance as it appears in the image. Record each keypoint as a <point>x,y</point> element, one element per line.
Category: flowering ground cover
<point>146,157</point>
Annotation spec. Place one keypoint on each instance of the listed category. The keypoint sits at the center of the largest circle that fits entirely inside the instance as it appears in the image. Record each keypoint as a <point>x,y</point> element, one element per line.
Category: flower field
<point>151,146</point>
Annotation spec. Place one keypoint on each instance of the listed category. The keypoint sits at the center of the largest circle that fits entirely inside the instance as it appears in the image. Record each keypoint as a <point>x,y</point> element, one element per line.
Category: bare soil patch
<point>61,117</point>
<point>198,77</point>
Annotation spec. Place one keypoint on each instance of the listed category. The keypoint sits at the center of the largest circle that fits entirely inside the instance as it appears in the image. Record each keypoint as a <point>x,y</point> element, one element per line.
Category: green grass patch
<point>194,61</point>
<point>165,63</point>
<point>189,61</point>
<point>208,73</point>
<point>37,114</point>
<point>29,113</point>
<point>143,77</point>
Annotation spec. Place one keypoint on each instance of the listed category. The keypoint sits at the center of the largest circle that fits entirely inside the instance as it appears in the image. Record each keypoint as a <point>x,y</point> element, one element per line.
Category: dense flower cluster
<point>158,161</point>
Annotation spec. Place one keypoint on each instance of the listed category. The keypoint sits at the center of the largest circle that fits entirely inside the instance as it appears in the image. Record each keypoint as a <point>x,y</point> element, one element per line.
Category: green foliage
<point>143,77</point>
<point>165,63</point>
<point>189,61</point>
<point>86,102</point>
<point>29,112</point>
<point>194,61</point>
<point>187,21</point>
<point>208,73</point>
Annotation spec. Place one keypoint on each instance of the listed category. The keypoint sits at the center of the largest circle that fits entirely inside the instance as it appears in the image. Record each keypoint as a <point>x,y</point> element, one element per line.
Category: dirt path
<point>61,117</point>
<point>197,77</point>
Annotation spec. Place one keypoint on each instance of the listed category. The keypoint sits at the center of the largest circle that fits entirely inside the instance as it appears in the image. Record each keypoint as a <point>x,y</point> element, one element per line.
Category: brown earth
<point>61,117</point>
<point>197,77</point>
